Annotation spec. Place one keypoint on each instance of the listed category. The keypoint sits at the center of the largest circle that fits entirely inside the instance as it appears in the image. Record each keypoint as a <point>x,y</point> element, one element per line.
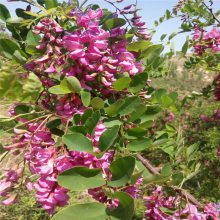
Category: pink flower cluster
<point>50,45</point>
<point>138,25</point>
<point>47,161</point>
<point>69,105</point>
<point>94,55</point>
<point>206,40</point>
<point>98,55</point>
<point>156,202</point>
<point>8,184</point>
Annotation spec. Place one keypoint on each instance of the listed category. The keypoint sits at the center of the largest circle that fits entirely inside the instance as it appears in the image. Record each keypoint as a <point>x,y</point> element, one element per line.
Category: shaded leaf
<point>4,13</point>
<point>108,137</point>
<point>121,170</point>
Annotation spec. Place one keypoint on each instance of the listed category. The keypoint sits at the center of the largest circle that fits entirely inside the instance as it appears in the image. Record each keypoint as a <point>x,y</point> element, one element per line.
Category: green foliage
<point>86,97</point>
<point>113,22</point>
<point>86,211</point>
<point>125,210</point>
<point>11,50</point>
<point>4,13</point>
<point>67,85</point>
<point>81,178</point>
<point>78,142</point>
<point>121,170</point>
<point>108,137</point>
<point>13,86</point>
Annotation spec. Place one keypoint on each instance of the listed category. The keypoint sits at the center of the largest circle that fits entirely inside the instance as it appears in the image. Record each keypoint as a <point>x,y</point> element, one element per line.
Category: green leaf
<point>167,211</point>
<point>121,170</point>
<point>163,37</point>
<point>137,132</point>
<point>113,23</point>
<point>110,122</point>
<point>168,14</point>
<point>31,49</point>
<point>51,4</point>
<point>121,83</point>
<point>191,151</point>
<point>61,89</point>
<point>22,13</point>
<point>135,177</point>
<point>32,39</point>
<point>125,210</point>
<point>57,132</point>
<point>131,103</point>
<point>73,84</point>
<point>177,178</point>
<point>172,35</point>
<point>86,211</point>
<point>54,123</point>
<point>152,54</point>
<point>4,13</point>
<point>158,94</point>
<point>139,145</point>
<point>107,138</point>
<point>113,109</point>
<point>166,170</point>
<point>14,20</point>
<point>85,97</point>
<point>138,82</point>
<point>150,113</point>
<point>87,113</point>
<point>166,101</point>
<point>11,50</point>
<point>92,121</point>
<point>78,142</point>
<point>138,46</point>
<point>77,129</point>
<point>97,103</point>
<point>81,178</point>
<point>137,113</point>
<point>164,176</point>
<point>185,47</point>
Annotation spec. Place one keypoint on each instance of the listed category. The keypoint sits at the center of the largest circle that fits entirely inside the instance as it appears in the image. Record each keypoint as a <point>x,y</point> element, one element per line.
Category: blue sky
<point>151,11</point>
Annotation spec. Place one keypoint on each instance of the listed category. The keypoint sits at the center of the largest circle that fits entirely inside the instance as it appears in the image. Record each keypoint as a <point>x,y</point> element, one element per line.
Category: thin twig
<point>148,165</point>
<point>211,12</point>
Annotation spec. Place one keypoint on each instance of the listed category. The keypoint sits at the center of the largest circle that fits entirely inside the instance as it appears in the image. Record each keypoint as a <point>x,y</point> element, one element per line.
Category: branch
<point>155,170</point>
<point>211,12</point>
<point>148,165</point>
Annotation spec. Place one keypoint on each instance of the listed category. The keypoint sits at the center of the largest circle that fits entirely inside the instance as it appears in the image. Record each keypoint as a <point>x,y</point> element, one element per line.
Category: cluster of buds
<point>51,43</point>
<point>138,25</point>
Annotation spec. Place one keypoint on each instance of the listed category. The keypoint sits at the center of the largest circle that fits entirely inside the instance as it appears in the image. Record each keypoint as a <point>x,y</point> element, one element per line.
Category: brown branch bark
<point>148,165</point>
